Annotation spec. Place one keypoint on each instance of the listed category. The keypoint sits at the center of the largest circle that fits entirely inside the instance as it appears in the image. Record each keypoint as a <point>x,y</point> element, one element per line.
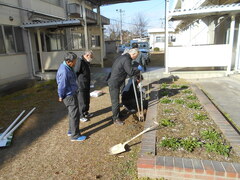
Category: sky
<point>153,11</point>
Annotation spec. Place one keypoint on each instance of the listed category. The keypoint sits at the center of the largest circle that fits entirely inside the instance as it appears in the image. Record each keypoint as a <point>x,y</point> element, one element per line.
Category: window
<point>54,42</point>
<point>77,41</point>
<point>2,46</point>
<point>95,41</point>
<point>160,39</point>
<point>9,39</point>
<point>19,39</point>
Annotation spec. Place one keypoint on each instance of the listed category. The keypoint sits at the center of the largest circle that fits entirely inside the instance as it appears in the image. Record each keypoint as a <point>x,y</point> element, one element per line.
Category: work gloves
<point>140,68</point>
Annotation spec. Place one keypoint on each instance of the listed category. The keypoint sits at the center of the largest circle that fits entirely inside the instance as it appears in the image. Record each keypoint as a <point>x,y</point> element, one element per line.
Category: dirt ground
<point>41,149</point>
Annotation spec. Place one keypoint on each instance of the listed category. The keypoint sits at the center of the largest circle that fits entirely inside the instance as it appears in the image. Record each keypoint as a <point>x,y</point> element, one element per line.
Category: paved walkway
<point>225,93</point>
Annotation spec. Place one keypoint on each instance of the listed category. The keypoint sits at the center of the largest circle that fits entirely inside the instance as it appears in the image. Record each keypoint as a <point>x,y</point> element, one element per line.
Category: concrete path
<point>225,93</point>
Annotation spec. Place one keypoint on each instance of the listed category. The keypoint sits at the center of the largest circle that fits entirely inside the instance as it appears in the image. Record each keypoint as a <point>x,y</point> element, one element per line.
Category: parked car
<point>120,48</point>
<point>145,49</point>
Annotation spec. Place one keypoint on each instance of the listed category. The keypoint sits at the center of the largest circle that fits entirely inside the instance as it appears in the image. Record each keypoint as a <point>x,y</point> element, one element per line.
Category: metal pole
<point>120,12</point>
<point>237,58</point>
<point>101,35</point>
<point>14,122</point>
<point>10,132</point>
<point>166,35</point>
<point>135,93</point>
<point>85,24</point>
<point>40,49</point>
<point>231,41</point>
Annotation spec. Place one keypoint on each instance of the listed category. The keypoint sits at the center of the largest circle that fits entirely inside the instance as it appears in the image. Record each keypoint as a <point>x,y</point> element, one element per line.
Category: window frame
<point>97,41</point>
<point>15,44</point>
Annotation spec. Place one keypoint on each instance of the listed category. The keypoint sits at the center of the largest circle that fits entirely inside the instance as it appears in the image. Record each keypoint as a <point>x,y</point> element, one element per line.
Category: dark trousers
<point>71,103</point>
<point>84,101</point>
<point>114,90</point>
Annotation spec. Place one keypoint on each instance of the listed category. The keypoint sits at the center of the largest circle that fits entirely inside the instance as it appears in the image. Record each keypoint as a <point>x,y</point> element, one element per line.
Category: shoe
<point>88,115</point>
<point>83,119</point>
<point>69,133</point>
<point>118,122</point>
<point>80,138</point>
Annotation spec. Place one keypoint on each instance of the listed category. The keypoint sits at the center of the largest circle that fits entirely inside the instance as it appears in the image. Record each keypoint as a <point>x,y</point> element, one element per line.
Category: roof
<point>108,2</point>
<point>197,13</point>
<point>53,23</point>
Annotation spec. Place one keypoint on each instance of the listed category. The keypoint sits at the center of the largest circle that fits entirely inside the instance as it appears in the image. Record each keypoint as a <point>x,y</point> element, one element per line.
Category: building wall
<point>13,67</point>
<point>48,8</point>
<point>6,12</point>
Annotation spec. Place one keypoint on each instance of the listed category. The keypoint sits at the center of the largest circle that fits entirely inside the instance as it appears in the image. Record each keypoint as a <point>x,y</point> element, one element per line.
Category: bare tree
<point>113,31</point>
<point>140,24</point>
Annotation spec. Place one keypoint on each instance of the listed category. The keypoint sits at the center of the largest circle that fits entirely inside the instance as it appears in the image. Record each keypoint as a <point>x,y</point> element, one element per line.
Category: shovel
<point>140,116</point>
<point>119,148</point>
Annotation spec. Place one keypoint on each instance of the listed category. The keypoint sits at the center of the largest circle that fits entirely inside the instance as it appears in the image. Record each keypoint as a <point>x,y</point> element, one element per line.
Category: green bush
<point>191,97</point>
<point>218,147</point>
<point>200,116</point>
<point>179,101</point>
<point>190,143</point>
<point>187,91</point>
<point>210,135</point>
<point>167,122</point>
<point>164,93</point>
<point>184,86</point>
<point>172,143</point>
<point>164,85</point>
<point>194,105</point>
<point>165,101</point>
<point>175,86</point>
<point>156,49</point>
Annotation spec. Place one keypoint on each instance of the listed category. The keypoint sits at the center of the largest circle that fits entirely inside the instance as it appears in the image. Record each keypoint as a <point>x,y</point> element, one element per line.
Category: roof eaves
<point>48,24</point>
<point>205,10</point>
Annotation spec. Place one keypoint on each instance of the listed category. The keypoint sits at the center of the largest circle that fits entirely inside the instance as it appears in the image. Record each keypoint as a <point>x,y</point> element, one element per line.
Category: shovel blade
<point>119,148</point>
<point>3,142</point>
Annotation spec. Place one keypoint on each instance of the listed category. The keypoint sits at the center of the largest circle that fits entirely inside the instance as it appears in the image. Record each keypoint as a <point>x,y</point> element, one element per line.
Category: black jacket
<point>82,70</point>
<point>128,91</point>
<point>121,68</point>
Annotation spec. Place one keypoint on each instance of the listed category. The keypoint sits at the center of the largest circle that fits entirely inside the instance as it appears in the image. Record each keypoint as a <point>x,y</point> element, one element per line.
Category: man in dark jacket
<point>67,92</point>
<point>82,70</point>
<point>120,69</point>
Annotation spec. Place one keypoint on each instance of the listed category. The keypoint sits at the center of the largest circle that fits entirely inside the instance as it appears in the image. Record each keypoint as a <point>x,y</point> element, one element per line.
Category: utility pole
<point>166,36</point>
<point>121,13</point>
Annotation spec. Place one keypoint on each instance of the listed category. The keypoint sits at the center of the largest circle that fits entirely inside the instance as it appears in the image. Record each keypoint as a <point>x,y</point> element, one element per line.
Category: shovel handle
<point>135,93</point>
<point>139,134</point>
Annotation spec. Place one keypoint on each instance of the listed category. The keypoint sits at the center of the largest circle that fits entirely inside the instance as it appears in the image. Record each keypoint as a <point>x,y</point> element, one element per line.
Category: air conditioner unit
<point>75,9</point>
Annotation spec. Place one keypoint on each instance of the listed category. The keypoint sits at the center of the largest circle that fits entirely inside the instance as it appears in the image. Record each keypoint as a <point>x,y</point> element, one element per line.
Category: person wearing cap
<point>67,93</point>
<point>82,70</point>
<point>120,69</point>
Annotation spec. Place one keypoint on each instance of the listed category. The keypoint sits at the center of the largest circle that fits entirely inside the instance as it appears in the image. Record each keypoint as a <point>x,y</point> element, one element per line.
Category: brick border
<point>152,166</point>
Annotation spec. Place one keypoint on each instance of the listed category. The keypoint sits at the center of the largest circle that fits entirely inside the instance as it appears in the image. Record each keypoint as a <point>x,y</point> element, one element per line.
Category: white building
<point>157,38</point>
<point>208,33</point>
